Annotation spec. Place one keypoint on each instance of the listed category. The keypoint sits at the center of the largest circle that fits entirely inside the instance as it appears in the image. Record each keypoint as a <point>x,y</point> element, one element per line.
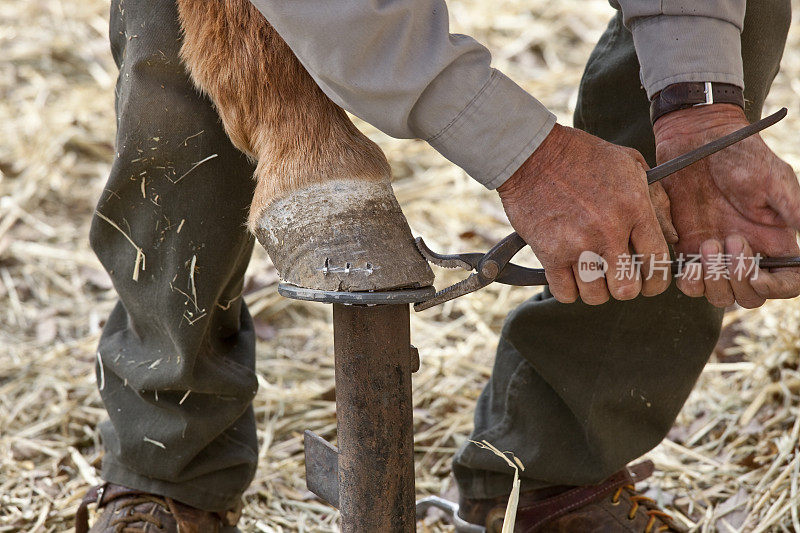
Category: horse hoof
<point>342,235</point>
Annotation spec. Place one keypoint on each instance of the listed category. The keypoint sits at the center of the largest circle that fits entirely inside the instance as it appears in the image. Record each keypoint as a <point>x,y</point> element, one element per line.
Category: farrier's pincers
<point>495,265</point>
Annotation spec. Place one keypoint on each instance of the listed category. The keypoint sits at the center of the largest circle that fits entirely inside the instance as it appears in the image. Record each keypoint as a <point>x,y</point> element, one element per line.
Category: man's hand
<point>738,202</point>
<point>580,193</point>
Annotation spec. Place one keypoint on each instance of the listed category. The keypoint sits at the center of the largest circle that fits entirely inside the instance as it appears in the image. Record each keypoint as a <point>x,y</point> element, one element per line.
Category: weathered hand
<point>580,193</point>
<point>740,201</point>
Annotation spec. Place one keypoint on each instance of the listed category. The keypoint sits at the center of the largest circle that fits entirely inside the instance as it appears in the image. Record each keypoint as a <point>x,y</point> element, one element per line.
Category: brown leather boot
<point>131,511</point>
<point>612,506</point>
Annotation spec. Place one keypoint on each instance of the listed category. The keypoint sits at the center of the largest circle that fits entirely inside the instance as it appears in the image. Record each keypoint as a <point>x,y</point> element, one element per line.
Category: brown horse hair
<point>270,106</point>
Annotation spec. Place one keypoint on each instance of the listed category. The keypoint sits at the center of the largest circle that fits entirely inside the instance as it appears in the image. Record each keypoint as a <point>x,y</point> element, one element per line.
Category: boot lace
<point>127,522</point>
<point>654,514</point>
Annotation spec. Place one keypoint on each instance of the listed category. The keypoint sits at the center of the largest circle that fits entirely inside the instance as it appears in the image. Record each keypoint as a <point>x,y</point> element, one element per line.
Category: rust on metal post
<point>374,418</point>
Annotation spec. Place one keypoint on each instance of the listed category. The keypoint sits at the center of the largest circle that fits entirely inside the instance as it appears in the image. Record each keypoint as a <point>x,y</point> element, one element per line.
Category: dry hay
<point>731,458</point>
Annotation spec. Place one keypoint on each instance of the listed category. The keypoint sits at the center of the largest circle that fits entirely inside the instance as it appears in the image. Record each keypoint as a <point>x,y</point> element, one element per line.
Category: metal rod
<point>374,362</point>
<point>679,163</point>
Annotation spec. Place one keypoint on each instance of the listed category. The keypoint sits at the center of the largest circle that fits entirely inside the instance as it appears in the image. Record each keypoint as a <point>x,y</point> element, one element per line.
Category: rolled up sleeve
<point>394,64</point>
<point>686,40</point>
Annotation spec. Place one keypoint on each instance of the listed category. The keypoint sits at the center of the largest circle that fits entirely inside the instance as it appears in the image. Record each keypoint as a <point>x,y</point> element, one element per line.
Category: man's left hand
<point>736,203</point>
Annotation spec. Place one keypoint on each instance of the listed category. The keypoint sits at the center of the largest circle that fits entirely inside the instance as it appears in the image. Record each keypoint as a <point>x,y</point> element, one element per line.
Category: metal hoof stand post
<point>370,476</point>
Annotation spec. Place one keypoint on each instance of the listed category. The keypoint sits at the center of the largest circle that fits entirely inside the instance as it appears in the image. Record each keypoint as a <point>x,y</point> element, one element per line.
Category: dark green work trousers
<point>576,393</point>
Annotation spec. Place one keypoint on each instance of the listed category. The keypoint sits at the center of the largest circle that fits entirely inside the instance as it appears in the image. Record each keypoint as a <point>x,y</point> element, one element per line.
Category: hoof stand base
<point>369,477</point>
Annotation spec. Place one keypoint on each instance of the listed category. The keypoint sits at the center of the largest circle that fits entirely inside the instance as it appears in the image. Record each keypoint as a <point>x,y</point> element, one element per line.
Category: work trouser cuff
<point>186,493</point>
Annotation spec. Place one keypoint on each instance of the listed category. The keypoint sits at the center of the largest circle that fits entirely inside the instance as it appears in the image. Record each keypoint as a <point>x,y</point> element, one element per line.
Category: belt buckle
<point>709,94</point>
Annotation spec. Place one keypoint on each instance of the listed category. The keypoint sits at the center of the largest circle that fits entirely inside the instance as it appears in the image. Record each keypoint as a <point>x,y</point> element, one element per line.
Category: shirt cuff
<point>677,48</point>
<point>497,130</point>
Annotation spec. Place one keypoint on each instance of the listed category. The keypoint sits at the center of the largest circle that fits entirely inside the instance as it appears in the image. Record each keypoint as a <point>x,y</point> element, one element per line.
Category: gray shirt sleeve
<point>396,65</point>
<point>686,40</point>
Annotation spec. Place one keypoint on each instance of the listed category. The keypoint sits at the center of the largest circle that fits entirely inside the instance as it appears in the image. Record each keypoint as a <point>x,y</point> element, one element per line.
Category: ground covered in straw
<point>731,458</point>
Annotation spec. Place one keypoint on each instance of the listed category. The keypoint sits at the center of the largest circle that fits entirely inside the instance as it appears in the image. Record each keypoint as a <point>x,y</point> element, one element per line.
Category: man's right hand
<point>579,193</point>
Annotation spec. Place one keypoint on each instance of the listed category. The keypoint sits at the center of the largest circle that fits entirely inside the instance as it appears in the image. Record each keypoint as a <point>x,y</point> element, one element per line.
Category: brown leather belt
<point>689,94</point>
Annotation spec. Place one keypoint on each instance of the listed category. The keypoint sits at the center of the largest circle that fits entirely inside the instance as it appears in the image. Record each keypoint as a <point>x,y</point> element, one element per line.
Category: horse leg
<point>324,207</point>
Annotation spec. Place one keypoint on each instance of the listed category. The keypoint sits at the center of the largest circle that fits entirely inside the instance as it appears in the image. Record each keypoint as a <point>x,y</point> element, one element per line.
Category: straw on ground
<point>729,464</point>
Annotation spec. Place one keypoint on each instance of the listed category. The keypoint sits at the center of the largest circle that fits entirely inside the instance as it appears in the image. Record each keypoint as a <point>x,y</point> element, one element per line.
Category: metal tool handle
<point>682,161</point>
<point>522,276</point>
<point>779,262</point>
<point>536,276</point>
<point>679,265</point>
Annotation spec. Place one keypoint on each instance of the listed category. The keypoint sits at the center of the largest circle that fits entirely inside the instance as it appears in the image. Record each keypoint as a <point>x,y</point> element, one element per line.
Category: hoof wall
<point>345,235</point>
